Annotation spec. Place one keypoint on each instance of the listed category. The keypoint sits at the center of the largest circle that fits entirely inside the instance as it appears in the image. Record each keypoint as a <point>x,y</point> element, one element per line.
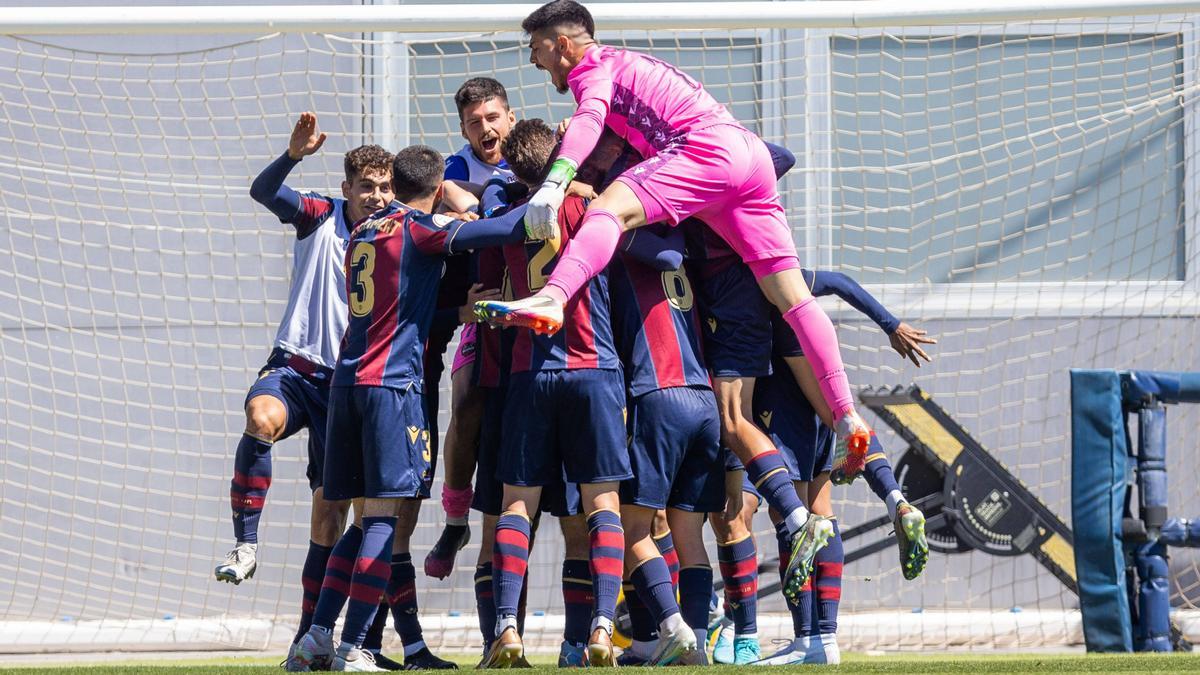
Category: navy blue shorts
<point>559,499</point>
<point>736,324</point>
<point>783,413</point>
<point>306,399</point>
<point>675,451</point>
<point>489,489</point>
<point>378,444</point>
<point>564,424</point>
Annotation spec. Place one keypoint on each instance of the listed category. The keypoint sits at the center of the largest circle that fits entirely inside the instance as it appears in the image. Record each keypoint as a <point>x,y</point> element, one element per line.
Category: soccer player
<point>573,382</point>
<point>701,162</point>
<point>485,120</point>
<point>788,410</point>
<point>737,557</point>
<point>378,431</point>
<point>292,389</point>
<point>492,360</point>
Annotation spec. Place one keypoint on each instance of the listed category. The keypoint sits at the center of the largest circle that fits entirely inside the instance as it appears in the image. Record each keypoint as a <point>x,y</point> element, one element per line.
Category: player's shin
<point>248,489</point>
<point>827,592</point>
<point>577,601</point>
<point>335,586</point>
<point>372,568</point>
<point>653,584</point>
<point>485,603</point>
<point>311,576</point>
<point>695,594</point>
<point>739,569</point>
<point>666,546</point>
<point>402,599</point>
<point>509,563</point>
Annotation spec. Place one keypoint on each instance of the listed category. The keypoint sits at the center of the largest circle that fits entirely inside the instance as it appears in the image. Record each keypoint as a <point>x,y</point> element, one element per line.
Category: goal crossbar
<point>502,17</point>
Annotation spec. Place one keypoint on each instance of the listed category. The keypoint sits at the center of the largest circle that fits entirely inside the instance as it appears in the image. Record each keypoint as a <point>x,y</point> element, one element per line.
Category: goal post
<point>1021,180</point>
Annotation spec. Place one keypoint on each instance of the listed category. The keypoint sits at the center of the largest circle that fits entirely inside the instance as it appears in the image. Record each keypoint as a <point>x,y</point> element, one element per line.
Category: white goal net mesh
<point>1025,191</point>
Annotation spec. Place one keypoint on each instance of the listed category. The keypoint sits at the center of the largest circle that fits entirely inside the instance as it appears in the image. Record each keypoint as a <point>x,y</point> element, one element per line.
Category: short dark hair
<point>366,158</point>
<point>528,148</point>
<point>417,172</point>
<point>478,90</point>
<point>559,13</point>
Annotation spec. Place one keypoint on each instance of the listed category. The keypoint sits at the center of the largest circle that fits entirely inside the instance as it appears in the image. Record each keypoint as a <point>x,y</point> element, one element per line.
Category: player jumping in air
<point>699,161</point>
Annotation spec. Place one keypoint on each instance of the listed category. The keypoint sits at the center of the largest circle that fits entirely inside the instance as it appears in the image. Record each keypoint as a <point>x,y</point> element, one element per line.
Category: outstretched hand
<point>907,342</point>
<point>307,137</point>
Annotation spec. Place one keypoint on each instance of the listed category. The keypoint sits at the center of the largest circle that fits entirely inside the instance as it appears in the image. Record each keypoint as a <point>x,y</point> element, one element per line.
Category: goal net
<point>1022,184</point>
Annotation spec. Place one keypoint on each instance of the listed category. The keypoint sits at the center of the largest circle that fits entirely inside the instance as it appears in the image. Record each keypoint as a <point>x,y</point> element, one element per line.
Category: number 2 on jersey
<point>362,286</point>
<point>541,260</point>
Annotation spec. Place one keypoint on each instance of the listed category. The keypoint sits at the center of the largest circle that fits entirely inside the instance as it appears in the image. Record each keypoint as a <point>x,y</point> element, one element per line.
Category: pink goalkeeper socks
<point>586,255</point>
<point>820,344</point>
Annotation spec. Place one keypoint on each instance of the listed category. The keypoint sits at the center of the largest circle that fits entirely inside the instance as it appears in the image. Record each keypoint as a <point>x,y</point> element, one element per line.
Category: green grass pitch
<point>911,664</point>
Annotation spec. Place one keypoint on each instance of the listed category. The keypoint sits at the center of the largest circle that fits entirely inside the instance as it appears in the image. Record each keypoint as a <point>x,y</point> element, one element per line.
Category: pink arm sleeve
<point>593,90</point>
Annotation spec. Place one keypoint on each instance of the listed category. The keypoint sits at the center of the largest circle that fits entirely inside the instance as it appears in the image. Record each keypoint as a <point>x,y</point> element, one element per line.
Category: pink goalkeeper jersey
<point>648,102</point>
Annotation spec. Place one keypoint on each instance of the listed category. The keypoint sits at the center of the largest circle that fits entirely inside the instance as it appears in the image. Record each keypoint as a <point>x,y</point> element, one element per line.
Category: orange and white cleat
<point>539,313</point>
<point>850,452</point>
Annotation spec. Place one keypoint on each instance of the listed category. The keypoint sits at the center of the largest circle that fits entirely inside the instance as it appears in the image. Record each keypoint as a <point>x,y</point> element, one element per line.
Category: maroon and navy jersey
<point>656,326</point>
<point>585,339</point>
<point>493,346</point>
<point>394,264</point>
<point>707,253</point>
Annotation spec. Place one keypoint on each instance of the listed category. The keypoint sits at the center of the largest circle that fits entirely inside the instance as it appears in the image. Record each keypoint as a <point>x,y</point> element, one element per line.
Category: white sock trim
<point>894,499</point>
<point>601,622</point>
<point>504,623</point>
<point>796,519</point>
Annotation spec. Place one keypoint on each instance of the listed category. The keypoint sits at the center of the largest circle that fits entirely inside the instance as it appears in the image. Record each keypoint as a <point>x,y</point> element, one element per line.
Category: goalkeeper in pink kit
<point>699,161</point>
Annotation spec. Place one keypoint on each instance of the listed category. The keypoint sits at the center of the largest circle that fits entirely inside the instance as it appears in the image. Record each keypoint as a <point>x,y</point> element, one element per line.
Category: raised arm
<point>593,89</point>
<point>905,339</point>
<point>303,211</point>
<point>836,283</point>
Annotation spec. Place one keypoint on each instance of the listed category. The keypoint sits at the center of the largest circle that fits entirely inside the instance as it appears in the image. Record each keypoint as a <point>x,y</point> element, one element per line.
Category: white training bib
<point>317,314</point>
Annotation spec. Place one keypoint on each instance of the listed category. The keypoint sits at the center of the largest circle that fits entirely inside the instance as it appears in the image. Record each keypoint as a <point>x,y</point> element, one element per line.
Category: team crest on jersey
<point>766,416</point>
<point>441,220</point>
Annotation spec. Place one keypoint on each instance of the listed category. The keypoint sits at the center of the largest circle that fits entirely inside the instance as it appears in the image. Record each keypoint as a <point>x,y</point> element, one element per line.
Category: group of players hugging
<point>641,353</point>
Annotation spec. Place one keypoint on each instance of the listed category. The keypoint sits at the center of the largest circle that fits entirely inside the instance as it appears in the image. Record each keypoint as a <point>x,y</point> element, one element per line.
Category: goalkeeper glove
<point>541,216</point>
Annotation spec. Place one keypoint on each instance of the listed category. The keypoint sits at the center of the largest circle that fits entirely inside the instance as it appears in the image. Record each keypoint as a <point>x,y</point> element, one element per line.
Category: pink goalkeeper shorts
<point>465,354</point>
<point>723,175</point>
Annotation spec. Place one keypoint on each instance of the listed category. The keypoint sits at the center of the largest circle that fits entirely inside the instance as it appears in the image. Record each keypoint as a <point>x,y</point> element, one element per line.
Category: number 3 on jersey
<point>541,260</point>
<point>362,286</point>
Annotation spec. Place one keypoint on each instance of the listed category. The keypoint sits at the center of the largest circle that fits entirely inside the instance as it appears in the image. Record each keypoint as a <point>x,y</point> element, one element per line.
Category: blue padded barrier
<point>1098,467</point>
